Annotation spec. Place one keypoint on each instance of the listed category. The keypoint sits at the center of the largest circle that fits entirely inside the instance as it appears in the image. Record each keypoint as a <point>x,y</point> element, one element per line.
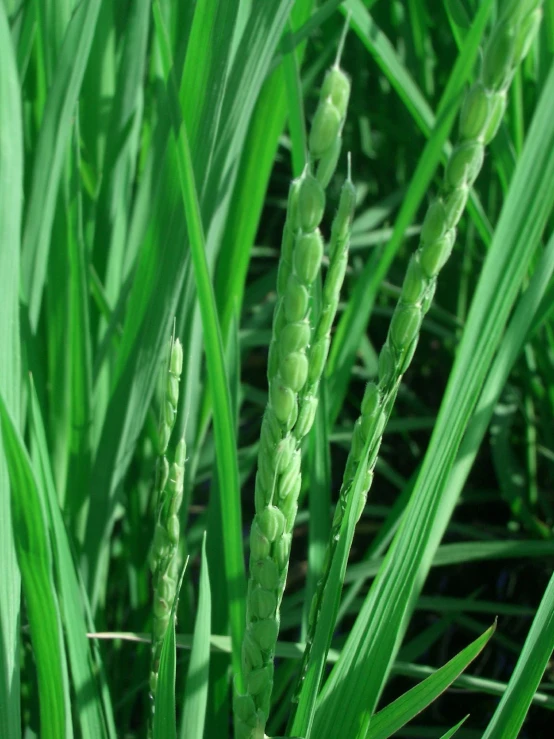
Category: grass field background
<point>146,154</point>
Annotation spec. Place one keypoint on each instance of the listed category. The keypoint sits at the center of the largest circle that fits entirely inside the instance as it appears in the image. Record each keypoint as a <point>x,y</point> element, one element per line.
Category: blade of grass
<point>295,106</point>
<point>293,651</point>
<point>449,554</point>
<point>532,662</point>
<point>80,395</point>
<point>35,563</point>
<point>196,692</point>
<point>211,20</point>
<point>23,36</point>
<point>454,729</point>
<point>164,725</point>
<point>470,683</point>
<point>98,93</point>
<point>53,18</point>
<point>200,57</point>
<point>521,325</point>
<point>111,224</point>
<point>252,181</point>
<point>301,722</point>
<point>57,310</point>
<point>11,203</point>
<point>219,703</point>
<point>392,718</point>
<point>87,697</point>
<point>50,153</point>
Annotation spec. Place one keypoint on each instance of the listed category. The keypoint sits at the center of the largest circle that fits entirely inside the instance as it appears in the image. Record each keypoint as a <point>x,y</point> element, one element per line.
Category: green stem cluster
<point>169,491</point>
<point>297,357</point>
<point>480,118</point>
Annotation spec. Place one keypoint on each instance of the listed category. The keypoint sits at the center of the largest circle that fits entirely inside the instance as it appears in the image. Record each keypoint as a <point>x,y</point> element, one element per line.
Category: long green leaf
<point>473,551</point>
<point>53,18</point>
<point>11,203</point>
<point>51,149</point>
<point>454,729</point>
<point>164,724</point>
<point>80,391</point>
<point>58,316</point>
<point>392,718</point>
<point>521,325</point>
<point>256,164</point>
<point>84,680</point>
<point>35,563</point>
<point>532,662</point>
<point>112,216</point>
<point>302,723</point>
<point>196,692</point>
<point>212,21</point>
<point>292,651</point>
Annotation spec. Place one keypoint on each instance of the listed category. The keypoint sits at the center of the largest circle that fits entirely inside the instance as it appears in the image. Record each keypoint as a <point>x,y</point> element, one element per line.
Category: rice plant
<point>276,388</point>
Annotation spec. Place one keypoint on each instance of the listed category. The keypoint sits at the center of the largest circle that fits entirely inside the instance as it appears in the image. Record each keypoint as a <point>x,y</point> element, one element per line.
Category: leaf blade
<point>35,563</point>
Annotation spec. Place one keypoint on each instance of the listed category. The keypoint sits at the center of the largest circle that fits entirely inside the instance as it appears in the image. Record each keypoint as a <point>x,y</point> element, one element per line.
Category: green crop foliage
<point>276,369</point>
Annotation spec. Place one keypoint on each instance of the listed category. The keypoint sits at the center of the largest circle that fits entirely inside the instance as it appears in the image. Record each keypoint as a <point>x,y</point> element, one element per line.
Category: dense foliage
<point>205,368</point>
